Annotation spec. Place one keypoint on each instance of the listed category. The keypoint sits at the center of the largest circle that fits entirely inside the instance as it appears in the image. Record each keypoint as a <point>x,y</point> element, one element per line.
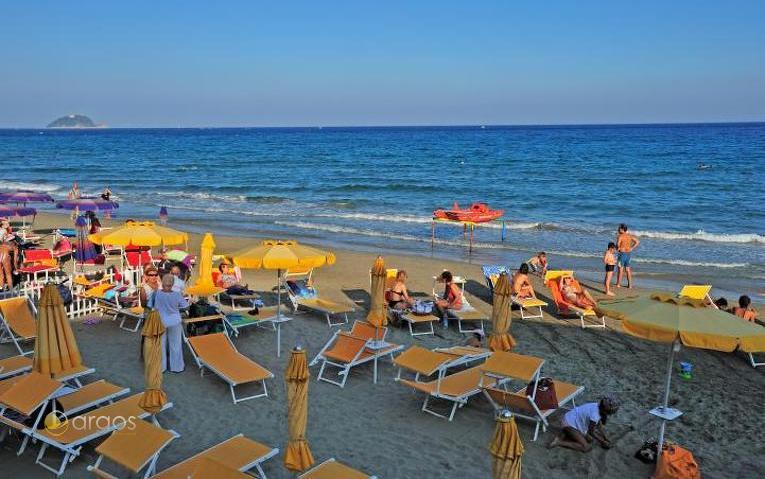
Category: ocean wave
<point>21,185</point>
<point>398,218</point>
<point>702,235</point>
<point>202,196</point>
<point>696,264</point>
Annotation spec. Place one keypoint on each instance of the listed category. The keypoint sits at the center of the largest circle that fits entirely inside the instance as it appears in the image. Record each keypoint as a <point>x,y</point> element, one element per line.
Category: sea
<point>694,194</point>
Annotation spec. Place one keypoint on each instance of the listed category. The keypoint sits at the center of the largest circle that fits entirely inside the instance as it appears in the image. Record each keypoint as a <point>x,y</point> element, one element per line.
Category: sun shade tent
<point>668,319</point>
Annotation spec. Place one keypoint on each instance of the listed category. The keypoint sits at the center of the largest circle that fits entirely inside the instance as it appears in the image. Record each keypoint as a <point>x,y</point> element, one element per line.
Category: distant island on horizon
<point>74,121</point>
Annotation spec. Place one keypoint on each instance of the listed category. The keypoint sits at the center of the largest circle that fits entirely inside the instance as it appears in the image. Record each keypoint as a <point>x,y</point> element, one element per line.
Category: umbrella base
<point>666,413</point>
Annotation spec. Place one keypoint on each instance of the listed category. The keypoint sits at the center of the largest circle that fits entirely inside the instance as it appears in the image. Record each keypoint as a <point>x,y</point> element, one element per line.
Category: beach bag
<point>648,452</point>
<point>66,294</point>
<point>545,397</point>
<point>676,462</point>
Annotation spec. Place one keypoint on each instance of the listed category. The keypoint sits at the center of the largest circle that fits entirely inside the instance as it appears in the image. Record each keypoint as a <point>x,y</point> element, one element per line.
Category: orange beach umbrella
<point>298,456</point>
<point>153,397</point>
<point>204,285</point>
<point>56,349</point>
<point>506,448</point>
<point>377,309</point>
<point>501,318</point>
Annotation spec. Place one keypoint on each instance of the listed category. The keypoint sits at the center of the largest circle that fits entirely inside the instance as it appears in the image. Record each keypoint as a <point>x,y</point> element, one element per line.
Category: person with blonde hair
<point>169,304</point>
<point>398,296</point>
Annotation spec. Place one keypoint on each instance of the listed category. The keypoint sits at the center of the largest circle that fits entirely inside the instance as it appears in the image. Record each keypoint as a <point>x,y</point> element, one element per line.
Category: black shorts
<point>610,268</point>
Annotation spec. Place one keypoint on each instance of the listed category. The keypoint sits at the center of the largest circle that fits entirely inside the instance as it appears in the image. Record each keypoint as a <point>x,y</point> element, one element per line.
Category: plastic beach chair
<point>565,308</point>
<point>699,292</point>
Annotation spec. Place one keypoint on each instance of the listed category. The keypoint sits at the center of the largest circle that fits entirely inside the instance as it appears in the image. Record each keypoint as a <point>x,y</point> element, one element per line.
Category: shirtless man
<point>625,244</point>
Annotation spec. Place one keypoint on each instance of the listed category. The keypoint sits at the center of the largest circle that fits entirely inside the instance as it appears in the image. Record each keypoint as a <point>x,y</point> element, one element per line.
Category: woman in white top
<point>169,304</point>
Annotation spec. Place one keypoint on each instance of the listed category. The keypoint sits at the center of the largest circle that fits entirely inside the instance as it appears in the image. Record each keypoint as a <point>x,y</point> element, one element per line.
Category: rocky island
<point>74,121</point>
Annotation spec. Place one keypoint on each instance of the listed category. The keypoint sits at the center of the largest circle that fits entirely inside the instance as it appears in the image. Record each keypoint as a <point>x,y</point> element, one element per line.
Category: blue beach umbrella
<point>85,250</point>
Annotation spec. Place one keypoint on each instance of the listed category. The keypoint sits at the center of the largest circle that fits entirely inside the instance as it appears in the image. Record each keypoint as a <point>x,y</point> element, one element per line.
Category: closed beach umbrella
<point>506,448</point>
<point>280,255</point>
<point>153,397</point>
<point>501,317</point>
<point>163,215</point>
<point>667,319</point>
<point>378,315</point>
<point>84,249</point>
<point>204,285</point>
<point>24,196</point>
<point>56,349</point>
<point>298,455</point>
<point>140,233</point>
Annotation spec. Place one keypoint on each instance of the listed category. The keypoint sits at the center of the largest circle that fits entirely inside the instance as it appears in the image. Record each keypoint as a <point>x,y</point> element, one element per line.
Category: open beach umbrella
<point>501,316</point>
<point>56,349</point>
<point>204,285</point>
<point>140,233</point>
<point>163,215</point>
<point>23,197</point>
<point>666,319</point>
<point>7,211</point>
<point>377,315</point>
<point>507,448</point>
<point>281,255</point>
<point>87,204</point>
<point>153,397</point>
<point>298,456</point>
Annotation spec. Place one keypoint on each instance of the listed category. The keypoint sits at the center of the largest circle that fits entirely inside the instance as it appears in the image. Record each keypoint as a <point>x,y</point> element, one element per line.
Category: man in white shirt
<point>584,423</point>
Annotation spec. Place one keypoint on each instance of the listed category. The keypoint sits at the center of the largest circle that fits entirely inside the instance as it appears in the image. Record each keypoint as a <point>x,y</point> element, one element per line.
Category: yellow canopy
<point>298,456</point>
<point>282,254</point>
<point>378,314</point>
<point>56,349</point>
<point>501,319</point>
<point>507,449</point>
<point>153,397</point>
<point>204,285</point>
<point>664,318</point>
<point>140,233</point>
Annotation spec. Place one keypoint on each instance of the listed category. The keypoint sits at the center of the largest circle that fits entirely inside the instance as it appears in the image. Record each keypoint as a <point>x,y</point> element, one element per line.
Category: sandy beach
<point>379,428</point>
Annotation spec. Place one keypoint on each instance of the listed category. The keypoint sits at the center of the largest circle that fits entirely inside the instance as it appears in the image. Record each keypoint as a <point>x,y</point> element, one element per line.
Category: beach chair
<point>238,321</point>
<point>699,292</point>
<point>526,306</point>
<point>332,469</point>
<point>413,320</point>
<point>507,366</point>
<point>303,295</point>
<point>346,350</point>
<point>106,296</point>
<point>216,353</point>
<point>239,453</point>
<point>90,395</point>
<point>17,322</point>
<point>467,316</point>
<point>425,362</point>
<point>565,308</point>
<point>136,447</point>
<point>91,426</point>
<point>39,261</point>
<point>15,365</point>
<point>233,299</point>
<point>137,258</point>
<point>491,274</point>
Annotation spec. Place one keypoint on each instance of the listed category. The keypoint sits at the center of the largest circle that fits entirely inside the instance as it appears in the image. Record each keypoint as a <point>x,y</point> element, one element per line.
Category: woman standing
<point>169,304</point>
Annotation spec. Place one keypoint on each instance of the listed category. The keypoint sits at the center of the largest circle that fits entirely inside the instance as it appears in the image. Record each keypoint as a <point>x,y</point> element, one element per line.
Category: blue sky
<point>255,63</point>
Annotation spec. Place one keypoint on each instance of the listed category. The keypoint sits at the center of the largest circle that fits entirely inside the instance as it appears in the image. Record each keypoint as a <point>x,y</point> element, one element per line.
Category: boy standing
<point>609,258</point>
<point>625,243</point>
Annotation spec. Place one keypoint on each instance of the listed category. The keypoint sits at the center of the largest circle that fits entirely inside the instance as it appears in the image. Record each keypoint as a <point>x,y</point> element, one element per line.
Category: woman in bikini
<point>398,296</point>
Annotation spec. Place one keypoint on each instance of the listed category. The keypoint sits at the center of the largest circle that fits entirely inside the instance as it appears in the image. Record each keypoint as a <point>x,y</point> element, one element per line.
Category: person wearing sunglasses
<point>150,283</point>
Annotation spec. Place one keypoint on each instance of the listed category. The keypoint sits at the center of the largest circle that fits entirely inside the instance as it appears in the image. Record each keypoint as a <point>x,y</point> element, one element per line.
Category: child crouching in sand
<point>609,258</point>
<point>584,423</point>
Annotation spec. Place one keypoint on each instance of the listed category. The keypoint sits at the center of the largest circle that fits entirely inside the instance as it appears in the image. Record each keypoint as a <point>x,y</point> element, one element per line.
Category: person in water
<point>625,244</point>
<point>609,259</point>
<point>106,194</point>
<point>585,424</point>
<point>522,288</point>
<point>744,309</point>
<point>575,294</point>
<point>538,263</point>
<point>452,297</point>
<point>398,296</point>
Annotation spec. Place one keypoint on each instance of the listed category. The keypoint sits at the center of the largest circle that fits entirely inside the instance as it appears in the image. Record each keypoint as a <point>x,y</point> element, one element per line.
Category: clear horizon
<point>195,65</point>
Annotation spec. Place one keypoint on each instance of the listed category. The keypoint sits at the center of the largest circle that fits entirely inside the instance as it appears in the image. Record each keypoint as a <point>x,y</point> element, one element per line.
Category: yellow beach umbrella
<point>501,317</point>
<point>298,456</point>
<point>667,319</point>
<point>507,448</point>
<point>153,397</point>
<point>56,349</point>
<point>378,315</point>
<point>280,255</point>
<point>140,233</point>
<point>204,285</point>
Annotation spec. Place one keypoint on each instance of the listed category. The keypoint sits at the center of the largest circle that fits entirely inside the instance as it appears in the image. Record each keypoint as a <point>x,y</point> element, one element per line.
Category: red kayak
<point>477,213</point>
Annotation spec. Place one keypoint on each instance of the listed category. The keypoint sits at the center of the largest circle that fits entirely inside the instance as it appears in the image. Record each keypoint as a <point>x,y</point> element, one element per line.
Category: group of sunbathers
<point>744,310</point>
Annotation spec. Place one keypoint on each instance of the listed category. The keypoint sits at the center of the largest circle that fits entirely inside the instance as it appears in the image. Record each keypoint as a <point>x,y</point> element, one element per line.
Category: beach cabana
<point>298,456</point>
<point>682,321</point>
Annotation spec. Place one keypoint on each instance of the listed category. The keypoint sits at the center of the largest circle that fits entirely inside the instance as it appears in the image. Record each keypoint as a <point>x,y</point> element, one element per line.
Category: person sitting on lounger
<point>398,296</point>
<point>150,284</point>
<point>576,295</point>
<point>229,280</point>
<point>744,310</point>
<point>583,424</point>
<point>538,263</point>
<point>522,288</point>
<point>452,298</point>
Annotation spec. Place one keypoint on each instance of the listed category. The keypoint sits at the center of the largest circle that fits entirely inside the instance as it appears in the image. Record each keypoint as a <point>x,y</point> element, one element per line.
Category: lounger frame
<point>754,362</point>
<point>345,368</point>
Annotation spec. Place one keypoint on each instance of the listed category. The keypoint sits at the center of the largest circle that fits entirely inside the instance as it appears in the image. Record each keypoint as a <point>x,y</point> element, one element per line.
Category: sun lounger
<point>346,350</point>
<point>72,376</point>
<point>457,388</point>
<point>699,292</point>
<point>525,306</point>
<point>565,308</point>
<point>111,306</point>
<point>239,320</point>
<point>425,362</point>
<point>304,295</point>
<point>331,469</point>
<point>413,320</point>
<point>17,322</point>
<point>15,365</point>
<point>233,299</point>
<point>239,453</point>
<point>216,353</point>
<point>90,395</point>
<point>491,274</point>
<point>92,425</point>
<point>134,448</point>
<point>37,261</point>
<point>24,395</point>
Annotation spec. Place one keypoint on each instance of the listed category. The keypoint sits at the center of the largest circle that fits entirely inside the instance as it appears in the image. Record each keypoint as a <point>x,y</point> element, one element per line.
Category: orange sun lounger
<point>332,469</point>
<point>239,453</point>
<point>565,308</point>
<point>216,353</point>
<point>15,365</point>
<point>17,322</point>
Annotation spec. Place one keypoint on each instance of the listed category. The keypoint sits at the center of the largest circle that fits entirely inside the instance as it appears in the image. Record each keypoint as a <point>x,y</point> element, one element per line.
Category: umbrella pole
<point>665,404</point>
<point>278,313</point>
